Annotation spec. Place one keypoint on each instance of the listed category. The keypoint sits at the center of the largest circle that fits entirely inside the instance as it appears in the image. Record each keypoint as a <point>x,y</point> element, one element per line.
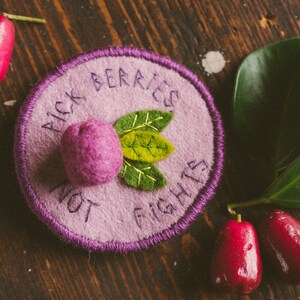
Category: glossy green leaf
<point>143,120</point>
<point>141,175</point>
<point>285,191</point>
<point>266,103</point>
<point>145,146</point>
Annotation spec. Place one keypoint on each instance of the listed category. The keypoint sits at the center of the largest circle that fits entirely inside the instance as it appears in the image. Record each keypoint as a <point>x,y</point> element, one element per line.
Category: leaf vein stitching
<point>146,123</point>
<point>140,172</point>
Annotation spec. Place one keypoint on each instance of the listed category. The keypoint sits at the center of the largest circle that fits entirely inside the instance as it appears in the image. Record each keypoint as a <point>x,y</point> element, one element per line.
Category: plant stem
<point>23,18</point>
<point>239,218</point>
<point>231,206</point>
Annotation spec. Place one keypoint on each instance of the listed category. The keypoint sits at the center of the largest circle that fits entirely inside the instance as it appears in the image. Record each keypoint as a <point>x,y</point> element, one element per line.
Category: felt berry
<point>280,237</point>
<point>91,153</point>
<point>236,265</point>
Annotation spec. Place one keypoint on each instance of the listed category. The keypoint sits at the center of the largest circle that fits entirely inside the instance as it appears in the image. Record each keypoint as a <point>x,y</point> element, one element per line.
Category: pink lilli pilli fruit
<point>7,41</point>
<point>91,153</point>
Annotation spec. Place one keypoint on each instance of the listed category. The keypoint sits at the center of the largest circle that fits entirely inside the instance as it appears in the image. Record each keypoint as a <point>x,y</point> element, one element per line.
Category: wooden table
<point>34,264</point>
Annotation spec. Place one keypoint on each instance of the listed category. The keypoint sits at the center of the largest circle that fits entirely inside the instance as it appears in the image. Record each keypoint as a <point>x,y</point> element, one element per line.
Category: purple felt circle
<point>192,211</point>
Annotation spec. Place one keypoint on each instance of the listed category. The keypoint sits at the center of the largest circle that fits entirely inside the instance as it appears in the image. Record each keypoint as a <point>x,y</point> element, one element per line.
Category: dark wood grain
<point>34,264</point>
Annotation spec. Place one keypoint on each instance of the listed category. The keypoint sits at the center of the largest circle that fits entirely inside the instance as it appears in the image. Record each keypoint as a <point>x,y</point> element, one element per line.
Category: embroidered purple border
<point>191,213</point>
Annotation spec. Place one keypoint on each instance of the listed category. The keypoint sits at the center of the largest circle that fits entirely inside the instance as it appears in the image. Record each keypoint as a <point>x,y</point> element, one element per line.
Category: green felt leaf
<point>266,103</point>
<point>143,120</point>
<point>141,175</point>
<point>285,191</point>
<point>145,146</point>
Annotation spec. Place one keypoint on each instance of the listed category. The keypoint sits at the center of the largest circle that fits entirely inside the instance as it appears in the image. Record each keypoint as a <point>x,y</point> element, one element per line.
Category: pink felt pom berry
<point>91,153</point>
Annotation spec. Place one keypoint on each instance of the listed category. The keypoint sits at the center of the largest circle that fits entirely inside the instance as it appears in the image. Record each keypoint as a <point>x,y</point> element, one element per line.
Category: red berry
<point>7,41</point>
<point>236,265</point>
<point>280,238</point>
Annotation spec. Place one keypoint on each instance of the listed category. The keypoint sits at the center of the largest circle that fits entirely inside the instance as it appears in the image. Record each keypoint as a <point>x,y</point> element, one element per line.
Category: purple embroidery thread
<point>192,211</point>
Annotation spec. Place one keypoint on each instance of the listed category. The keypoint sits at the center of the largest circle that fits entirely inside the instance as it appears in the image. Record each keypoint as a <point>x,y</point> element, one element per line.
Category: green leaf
<point>266,103</point>
<point>145,146</point>
<point>145,120</point>
<point>285,191</point>
<point>141,175</point>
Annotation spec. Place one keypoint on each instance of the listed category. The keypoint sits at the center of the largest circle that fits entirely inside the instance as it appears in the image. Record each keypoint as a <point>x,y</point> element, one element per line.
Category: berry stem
<point>231,206</point>
<point>239,218</point>
<point>23,18</point>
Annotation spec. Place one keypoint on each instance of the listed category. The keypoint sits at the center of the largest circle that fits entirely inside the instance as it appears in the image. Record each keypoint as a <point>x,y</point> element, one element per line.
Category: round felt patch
<point>106,85</point>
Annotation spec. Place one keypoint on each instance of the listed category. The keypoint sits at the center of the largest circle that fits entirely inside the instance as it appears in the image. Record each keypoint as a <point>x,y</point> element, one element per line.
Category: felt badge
<point>118,149</point>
